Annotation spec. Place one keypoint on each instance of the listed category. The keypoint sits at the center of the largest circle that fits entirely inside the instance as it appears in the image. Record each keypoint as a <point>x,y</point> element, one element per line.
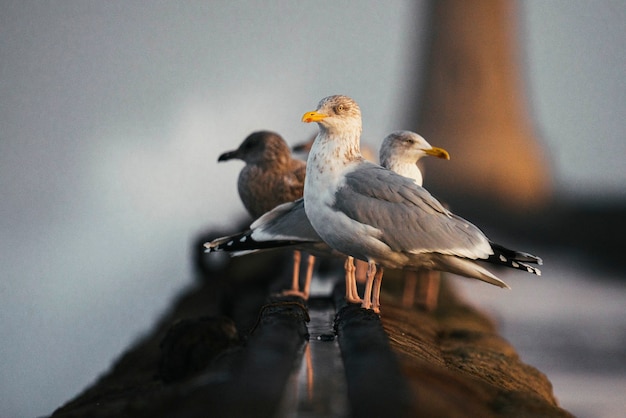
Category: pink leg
<point>309,276</point>
<point>295,281</point>
<point>352,295</point>
<point>428,289</point>
<point>410,284</point>
<point>369,282</point>
<point>355,278</point>
<point>378,280</point>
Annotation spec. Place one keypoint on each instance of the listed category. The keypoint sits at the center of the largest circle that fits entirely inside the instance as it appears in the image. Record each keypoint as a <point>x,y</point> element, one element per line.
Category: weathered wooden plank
<point>376,387</point>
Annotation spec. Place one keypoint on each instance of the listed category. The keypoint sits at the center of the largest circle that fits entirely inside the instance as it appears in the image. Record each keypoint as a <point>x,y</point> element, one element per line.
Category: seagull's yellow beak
<point>438,152</point>
<point>313,116</point>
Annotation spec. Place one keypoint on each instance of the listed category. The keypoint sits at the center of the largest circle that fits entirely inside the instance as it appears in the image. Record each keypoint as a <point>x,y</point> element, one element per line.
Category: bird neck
<point>341,147</point>
<point>329,158</point>
<point>406,169</point>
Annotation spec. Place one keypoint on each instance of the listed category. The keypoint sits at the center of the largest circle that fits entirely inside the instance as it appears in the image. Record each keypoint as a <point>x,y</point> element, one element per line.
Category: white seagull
<point>374,214</point>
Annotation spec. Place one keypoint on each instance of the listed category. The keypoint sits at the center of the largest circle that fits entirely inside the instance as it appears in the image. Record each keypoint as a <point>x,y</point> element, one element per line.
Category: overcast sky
<point>113,114</point>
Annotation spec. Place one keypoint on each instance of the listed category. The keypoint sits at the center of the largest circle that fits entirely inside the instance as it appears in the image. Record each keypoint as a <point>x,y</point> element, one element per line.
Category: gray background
<point>113,115</point>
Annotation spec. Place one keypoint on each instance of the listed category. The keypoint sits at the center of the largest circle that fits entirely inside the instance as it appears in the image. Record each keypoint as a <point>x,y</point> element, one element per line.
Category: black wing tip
<point>501,251</point>
<point>524,266</point>
<point>515,259</point>
<point>229,243</point>
<point>245,243</point>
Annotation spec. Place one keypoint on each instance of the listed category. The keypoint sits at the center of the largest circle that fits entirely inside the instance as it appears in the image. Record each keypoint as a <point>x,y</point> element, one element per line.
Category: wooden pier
<point>227,348</point>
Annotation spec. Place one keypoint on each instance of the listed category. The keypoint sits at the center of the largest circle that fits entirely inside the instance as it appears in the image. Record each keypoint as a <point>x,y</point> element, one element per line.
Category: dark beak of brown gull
<point>228,156</point>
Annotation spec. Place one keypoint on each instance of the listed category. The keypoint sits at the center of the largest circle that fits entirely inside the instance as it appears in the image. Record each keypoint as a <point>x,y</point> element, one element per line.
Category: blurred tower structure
<point>472,103</point>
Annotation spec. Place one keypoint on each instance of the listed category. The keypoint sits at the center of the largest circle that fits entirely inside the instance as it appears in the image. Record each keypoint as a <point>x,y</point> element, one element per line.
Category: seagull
<point>355,269</point>
<point>270,177</point>
<point>400,152</point>
<point>374,214</point>
<point>287,224</point>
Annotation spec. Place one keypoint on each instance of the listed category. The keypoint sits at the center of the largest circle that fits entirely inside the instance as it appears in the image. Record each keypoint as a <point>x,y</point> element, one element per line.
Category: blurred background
<point>113,114</point>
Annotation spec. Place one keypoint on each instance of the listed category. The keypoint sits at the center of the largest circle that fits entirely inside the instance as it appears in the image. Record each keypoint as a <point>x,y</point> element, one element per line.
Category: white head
<point>401,150</point>
<point>336,115</point>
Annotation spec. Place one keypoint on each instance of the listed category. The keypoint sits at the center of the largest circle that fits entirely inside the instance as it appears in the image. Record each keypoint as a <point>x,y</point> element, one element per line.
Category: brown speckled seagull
<point>372,213</point>
<point>271,177</point>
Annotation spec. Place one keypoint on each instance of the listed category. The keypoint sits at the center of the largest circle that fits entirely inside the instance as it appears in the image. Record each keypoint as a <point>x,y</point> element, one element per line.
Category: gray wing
<point>284,226</point>
<point>286,222</point>
<point>410,219</point>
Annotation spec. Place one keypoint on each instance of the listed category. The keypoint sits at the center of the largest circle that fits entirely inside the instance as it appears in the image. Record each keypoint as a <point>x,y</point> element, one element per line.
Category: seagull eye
<point>339,108</point>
